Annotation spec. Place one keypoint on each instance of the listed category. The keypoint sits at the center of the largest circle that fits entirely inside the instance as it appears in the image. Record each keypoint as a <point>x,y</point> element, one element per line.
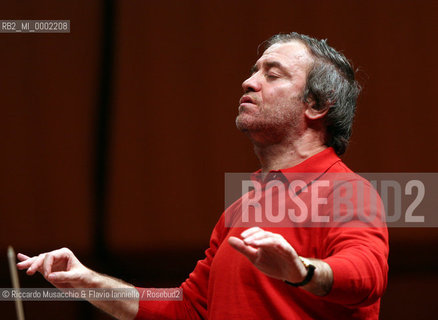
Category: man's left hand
<point>270,253</point>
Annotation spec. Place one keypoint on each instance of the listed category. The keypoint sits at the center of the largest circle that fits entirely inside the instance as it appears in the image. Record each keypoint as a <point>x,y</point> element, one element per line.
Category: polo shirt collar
<point>307,170</point>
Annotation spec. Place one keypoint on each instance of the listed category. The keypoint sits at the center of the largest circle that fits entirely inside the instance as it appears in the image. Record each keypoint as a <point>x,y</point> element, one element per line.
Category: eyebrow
<point>268,65</point>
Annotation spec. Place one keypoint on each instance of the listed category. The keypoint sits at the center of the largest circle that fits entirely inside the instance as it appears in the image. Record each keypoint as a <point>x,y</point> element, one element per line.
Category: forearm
<point>120,309</point>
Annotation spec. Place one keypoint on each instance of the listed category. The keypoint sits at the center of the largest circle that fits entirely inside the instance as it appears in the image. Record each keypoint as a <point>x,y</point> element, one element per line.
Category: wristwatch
<point>310,271</point>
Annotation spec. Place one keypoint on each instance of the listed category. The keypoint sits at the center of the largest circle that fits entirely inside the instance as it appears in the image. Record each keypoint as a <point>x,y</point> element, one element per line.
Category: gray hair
<point>331,83</point>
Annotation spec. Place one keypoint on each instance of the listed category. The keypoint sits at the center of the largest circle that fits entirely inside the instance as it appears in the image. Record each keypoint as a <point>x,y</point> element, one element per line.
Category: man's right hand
<point>59,267</point>
<point>62,269</point>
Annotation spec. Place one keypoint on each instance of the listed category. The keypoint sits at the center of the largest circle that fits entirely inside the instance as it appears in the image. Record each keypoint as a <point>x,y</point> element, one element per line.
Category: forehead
<point>293,54</point>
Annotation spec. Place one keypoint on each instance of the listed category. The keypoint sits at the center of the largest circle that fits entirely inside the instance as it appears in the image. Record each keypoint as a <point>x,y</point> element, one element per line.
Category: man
<point>297,109</point>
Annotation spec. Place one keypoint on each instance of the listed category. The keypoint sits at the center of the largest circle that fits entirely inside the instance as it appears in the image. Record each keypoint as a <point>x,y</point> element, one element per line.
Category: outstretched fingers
<point>22,257</point>
<point>259,237</point>
<point>60,267</point>
<point>250,231</point>
<point>25,261</point>
<point>45,263</point>
<point>36,265</point>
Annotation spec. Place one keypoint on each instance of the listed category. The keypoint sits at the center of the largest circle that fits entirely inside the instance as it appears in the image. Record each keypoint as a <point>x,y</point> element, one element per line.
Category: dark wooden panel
<point>48,91</point>
<point>179,70</point>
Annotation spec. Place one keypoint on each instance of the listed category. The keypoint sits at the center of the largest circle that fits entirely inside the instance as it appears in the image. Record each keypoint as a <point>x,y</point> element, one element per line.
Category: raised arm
<point>62,269</point>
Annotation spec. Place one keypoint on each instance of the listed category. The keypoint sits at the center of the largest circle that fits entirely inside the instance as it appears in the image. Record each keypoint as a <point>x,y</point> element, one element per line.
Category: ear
<point>311,112</point>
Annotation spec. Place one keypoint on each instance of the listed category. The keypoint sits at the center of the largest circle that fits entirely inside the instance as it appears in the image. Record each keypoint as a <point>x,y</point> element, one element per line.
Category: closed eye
<point>272,76</point>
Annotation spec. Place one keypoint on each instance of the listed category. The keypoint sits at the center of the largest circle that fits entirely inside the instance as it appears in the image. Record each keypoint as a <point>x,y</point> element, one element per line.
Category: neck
<point>289,152</point>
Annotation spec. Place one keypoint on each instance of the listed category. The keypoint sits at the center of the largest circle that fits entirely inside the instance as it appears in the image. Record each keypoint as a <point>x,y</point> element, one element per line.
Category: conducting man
<point>297,109</point>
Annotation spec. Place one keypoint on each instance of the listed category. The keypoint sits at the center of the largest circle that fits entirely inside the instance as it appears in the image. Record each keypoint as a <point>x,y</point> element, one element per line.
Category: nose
<point>252,84</point>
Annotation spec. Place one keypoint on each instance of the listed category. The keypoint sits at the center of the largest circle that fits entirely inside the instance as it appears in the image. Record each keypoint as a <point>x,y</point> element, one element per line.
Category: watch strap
<point>310,272</point>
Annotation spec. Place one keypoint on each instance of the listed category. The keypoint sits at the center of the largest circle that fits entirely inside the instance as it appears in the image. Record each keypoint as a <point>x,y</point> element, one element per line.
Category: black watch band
<point>310,271</point>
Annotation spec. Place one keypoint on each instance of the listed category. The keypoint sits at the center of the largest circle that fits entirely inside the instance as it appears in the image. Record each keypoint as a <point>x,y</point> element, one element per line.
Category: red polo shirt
<point>225,285</point>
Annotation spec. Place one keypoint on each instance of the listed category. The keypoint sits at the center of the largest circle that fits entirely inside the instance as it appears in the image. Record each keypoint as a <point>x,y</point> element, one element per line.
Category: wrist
<point>92,279</point>
<point>307,271</point>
